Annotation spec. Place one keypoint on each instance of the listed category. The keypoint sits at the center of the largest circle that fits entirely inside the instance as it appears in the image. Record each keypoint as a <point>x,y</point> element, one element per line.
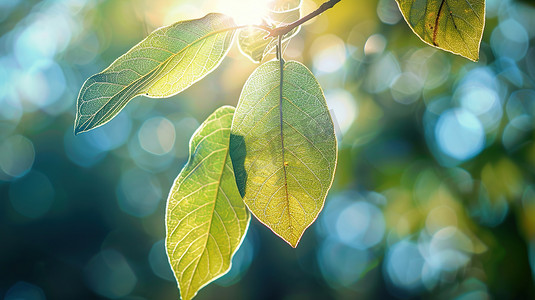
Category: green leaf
<point>452,25</point>
<point>206,217</point>
<point>283,148</point>
<point>251,40</point>
<point>165,63</point>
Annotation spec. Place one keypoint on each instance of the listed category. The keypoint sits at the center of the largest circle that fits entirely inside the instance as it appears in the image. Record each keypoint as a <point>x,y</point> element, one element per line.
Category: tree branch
<point>282,30</point>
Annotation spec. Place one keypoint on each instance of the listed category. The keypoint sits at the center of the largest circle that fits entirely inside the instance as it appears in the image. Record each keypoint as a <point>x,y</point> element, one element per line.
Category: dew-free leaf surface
<point>206,217</point>
<point>251,40</point>
<point>452,25</point>
<point>283,148</point>
<point>165,63</point>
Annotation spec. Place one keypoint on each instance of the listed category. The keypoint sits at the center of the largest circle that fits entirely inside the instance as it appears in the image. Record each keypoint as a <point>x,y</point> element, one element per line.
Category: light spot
<point>404,266</point>
<point>16,155</point>
<point>344,107</point>
<point>382,73</point>
<point>510,39</point>
<point>139,193</point>
<point>388,12</point>
<point>375,44</point>
<point>360,225</point>
<point>406,88</point>
<point>158,261</point>
<point>449,249</point>
<point>440,217</point>
<point>32,196</point>
<point>459,134</point>
<point>109,274</point>
<point>341,265</point>
<point>328,53</point>
<point>244,12</point>
<point>24,291</point>
<point>157,135</point>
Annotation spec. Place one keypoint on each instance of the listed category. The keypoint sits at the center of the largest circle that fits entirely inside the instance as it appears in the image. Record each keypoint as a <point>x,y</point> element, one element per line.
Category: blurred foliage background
<point>434,195</point>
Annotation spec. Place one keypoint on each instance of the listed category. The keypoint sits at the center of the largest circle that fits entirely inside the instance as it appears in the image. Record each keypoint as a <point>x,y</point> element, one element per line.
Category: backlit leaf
<point>452,25</point>
<point>206,217</point>
<point>165,63</point>
<point>251,40</point>
<point>283,148</point>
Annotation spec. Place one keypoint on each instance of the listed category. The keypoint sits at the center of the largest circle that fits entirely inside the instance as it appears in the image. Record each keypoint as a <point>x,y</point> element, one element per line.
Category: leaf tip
<point>78,128</point>
<point>186,296</point>
<point>474,58</point>
<point>470,56</point>
<point>292,241</point>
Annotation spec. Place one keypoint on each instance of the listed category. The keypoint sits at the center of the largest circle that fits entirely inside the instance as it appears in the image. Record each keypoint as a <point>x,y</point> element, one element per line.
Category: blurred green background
<point>434,195</point>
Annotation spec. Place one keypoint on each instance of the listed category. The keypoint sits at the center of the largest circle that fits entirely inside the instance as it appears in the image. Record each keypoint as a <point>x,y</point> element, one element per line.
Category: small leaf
<point>206,217</point>
<point>251,40</point>
<point>165,63</point>
<point>452,25</point>
<point>283,148</point>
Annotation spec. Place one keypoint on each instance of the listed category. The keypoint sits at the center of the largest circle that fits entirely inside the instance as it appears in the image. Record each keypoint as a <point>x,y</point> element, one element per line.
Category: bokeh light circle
<point>459,134</point>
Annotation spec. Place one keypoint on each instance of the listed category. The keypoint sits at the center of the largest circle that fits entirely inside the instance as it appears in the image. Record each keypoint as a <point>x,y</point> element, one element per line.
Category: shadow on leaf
<point>238,152</point>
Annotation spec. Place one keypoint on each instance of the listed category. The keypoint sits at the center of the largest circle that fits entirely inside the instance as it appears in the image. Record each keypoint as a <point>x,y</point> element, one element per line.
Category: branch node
<point>284,29</point>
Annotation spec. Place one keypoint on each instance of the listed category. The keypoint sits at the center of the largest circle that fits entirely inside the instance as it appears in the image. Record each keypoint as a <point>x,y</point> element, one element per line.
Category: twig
<point>282,30</point>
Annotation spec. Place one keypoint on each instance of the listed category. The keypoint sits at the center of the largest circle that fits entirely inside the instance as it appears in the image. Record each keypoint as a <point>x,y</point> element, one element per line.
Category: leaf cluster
<point>275,154</point>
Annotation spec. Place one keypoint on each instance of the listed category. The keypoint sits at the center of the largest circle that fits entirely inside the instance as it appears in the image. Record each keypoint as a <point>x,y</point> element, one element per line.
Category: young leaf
<point>452,25</point>
<point>165,63</point>
<point>283,148</point>
<point>251,40</point>
<point>206,217</point>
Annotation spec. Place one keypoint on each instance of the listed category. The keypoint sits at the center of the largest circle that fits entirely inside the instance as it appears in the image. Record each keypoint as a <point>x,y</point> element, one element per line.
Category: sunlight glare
<point>246,12</point>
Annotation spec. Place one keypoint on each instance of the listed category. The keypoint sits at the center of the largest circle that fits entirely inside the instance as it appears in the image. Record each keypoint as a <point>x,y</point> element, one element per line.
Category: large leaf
<point>452,25</point>
<point>206,217</point>
<point>283,148</point>
<point>165,63</point>
<point>251,40</point>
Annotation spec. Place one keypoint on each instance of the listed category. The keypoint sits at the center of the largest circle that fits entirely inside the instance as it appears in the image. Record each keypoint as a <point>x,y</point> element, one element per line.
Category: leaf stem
<point>282,30</point>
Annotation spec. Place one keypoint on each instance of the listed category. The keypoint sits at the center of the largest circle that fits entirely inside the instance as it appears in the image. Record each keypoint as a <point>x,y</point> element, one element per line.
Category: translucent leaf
<point>283,148</point>
<point>165,63</point>
<point>206,217</point>
<point>251,40</point>
<point>452,25</point>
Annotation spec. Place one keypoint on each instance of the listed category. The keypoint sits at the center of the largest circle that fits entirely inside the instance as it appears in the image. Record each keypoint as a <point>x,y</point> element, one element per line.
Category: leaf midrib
<point>437,20</point>
<point>282,66</point>
<point>211,218</point>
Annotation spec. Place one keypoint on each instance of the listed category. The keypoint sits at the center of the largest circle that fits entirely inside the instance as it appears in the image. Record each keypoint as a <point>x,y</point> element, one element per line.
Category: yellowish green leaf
<point>165,63</point>
<point>283,148</point>
<point>452,25</point>
<point>251,40</point>
<point>206,217</point>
